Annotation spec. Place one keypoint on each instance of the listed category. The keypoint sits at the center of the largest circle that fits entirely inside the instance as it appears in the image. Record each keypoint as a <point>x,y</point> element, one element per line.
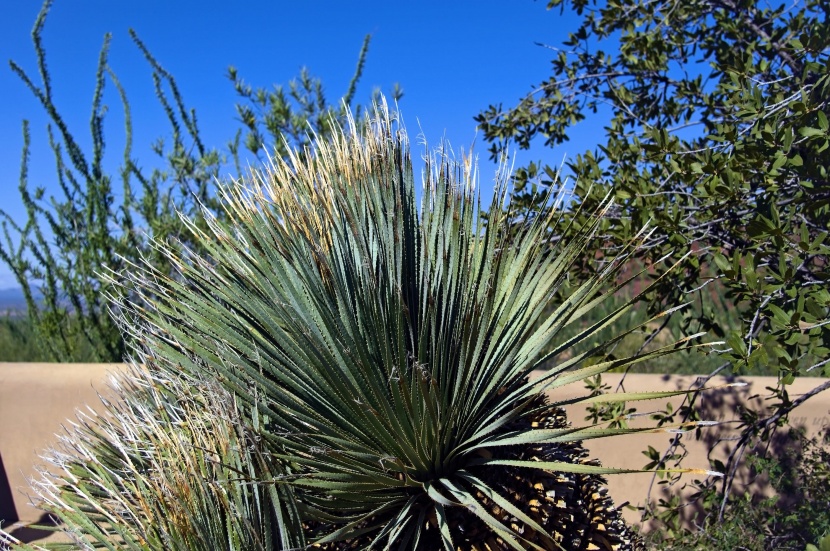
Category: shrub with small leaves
<point>717,133</point>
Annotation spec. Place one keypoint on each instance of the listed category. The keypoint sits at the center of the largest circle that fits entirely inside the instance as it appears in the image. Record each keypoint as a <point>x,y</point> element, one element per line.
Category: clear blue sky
<point>452,59</point>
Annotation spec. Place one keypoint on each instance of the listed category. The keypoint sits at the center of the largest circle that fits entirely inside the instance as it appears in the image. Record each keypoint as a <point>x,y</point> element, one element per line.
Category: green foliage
<point>68,240</point>
<point>100,222</point>
<point>20,341</point>
<point>279,119</point>
<point>379,354</point>
<point>17,340</point>
<point>823,545</point>
<point>795,518</point>
<point>670,328</point>
<point>718,135</point>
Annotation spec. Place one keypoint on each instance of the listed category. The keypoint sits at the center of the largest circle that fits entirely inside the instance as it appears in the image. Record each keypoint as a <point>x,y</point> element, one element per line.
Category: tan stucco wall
<point>36,399</point>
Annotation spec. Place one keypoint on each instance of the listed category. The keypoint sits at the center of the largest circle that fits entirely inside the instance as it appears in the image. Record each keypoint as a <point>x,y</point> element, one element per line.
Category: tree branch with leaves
<point>718,135</point>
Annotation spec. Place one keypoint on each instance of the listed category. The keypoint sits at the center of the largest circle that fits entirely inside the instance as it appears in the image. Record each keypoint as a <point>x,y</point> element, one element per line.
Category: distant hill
<point>12,300</point>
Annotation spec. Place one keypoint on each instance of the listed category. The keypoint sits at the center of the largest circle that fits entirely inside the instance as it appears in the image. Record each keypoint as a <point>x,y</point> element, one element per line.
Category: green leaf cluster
<point>718,136</point>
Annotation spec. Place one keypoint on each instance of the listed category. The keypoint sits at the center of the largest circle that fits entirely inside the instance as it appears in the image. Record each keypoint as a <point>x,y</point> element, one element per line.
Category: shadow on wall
<point>717,443</point>
<point>709,444</point>
<point>8,512</point>
<point>41,529</point>
<point>782,445</point>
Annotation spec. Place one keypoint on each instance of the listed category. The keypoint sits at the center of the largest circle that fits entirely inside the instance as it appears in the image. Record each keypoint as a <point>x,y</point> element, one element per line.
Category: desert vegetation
<point>705,210</point>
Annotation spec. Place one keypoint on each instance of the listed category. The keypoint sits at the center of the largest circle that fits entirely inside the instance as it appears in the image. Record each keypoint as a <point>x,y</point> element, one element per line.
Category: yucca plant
<point>384,354</point>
